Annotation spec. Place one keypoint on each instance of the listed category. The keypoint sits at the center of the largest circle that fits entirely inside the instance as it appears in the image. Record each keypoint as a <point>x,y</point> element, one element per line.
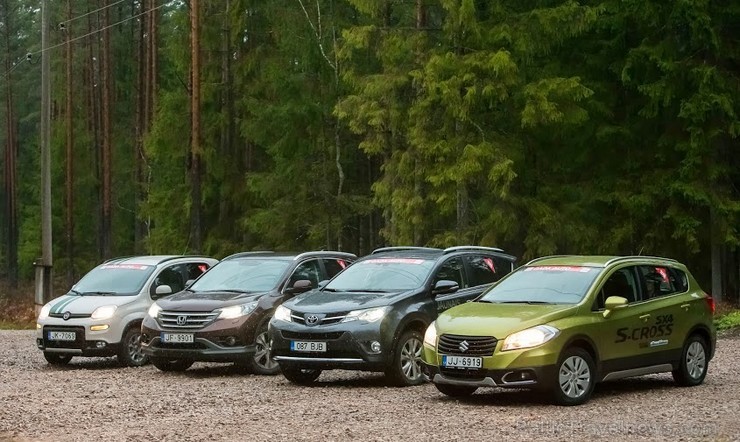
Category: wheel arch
<point>704,332</point>
<point>586,343</point>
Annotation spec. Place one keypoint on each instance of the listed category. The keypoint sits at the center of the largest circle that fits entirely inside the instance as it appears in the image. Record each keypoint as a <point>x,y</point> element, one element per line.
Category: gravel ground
<point>95,399</point>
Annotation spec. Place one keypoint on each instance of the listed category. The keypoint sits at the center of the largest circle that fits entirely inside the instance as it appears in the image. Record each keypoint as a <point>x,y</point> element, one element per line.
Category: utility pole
<point>44,265</point>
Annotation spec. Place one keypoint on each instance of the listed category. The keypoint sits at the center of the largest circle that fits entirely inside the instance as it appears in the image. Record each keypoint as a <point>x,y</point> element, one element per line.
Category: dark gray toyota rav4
<point>373,315</point>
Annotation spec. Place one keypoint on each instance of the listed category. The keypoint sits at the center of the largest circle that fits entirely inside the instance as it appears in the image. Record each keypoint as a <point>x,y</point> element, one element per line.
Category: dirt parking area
<point>94,399</point>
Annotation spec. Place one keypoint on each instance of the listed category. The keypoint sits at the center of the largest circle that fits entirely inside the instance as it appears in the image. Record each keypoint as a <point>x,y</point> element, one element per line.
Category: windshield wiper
<point>231,291</point>
<point>99,293</point>
<point>327,289</point>
<point>368,291</point>
<point>526,302</point>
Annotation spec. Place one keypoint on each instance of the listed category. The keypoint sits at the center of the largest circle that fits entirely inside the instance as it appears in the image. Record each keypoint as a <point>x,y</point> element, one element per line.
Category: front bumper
<point>86,343</point>
<point>528,377</point>
<point>221,341</point>
<point>348,345</point>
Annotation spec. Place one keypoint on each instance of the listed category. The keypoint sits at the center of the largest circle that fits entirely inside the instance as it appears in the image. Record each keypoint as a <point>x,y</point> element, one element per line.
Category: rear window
<point>543,285</point>
<point>115,279</point>
<point>487,269</point>
<point>660,281</point>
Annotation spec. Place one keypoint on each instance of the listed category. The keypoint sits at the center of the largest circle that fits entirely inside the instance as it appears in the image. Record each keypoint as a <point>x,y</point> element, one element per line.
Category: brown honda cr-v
<point>223,315</point>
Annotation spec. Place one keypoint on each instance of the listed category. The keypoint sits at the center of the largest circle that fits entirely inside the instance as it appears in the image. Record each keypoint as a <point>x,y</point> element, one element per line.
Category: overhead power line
<point>88,13</point>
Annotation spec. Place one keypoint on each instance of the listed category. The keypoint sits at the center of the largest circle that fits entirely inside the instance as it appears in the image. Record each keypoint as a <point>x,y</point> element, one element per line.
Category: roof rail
<point>173,257</point>
<point>117,258</point>
<point>481,248</point>
<point>402,248</point>
<point>324,253</point>
<point>546,257</point>
<point>624,258</point>
<point>242,254</point>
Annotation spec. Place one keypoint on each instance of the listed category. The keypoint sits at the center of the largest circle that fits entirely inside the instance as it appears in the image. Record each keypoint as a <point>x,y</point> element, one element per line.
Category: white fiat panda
<point>101,314</point>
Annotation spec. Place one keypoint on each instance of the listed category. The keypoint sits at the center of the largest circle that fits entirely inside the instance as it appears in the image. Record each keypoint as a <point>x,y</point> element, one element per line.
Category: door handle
<point>645,317</point>
<point>686,306</point>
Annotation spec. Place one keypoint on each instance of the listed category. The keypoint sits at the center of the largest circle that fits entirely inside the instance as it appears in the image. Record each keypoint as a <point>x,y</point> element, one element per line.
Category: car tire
<point>694,363</point>
<point>575,377</point>
<point>172,364</point>
<point>56,358</point>
<point>262,362</point>
<point>130,353</point>
<point>455,390</point>
<point>405,369</point>
<point>300,376</point>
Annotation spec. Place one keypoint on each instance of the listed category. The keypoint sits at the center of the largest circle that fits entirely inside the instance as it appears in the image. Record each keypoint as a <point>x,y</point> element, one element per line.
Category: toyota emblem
<point>66,315</point>
<point>312,319</point>
<point>464,346</point>
<point>182,320</point>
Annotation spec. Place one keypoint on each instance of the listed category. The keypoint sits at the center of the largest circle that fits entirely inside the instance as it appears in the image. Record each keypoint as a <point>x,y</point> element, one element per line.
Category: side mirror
<point>300,286</point>
<point>445,286</point>
<point>188,282</point>
<point>163,290</point>
<point>612,303</point>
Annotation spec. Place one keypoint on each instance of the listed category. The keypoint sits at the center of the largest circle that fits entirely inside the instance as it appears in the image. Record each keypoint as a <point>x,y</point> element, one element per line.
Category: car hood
<point>499,320</point>
<point>86,304</point>
<point>205,301</point>
<point>322,301</point>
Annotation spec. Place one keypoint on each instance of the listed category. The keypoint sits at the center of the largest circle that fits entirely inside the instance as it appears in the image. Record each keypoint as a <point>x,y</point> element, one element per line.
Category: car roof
<point>432,253</point>
<point>290,256</point>
<point>152,260</point>
<point>597,260</point>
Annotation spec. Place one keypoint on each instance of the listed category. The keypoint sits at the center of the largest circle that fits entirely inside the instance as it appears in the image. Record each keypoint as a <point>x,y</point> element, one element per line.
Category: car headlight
<point>104,312</point>
<point>430,337</point>
<point>154,310</point>
<point>44,313</point>
<point>236,311</point>
<point>282,314</point>
<point>367,315</point>
<point>530,337</point>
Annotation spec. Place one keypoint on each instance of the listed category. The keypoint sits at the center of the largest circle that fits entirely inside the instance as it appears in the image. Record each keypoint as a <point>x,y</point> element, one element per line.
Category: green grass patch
<point>728,320</point>
<point>16,325</point>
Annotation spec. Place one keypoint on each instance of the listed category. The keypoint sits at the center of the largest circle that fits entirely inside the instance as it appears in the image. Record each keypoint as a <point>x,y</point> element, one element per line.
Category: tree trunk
<point>195,146</point>
<point>716,256</point>
<point>69,156</point>
<point>140,113</point>
<point>11,150</point>
<point>106,226</point>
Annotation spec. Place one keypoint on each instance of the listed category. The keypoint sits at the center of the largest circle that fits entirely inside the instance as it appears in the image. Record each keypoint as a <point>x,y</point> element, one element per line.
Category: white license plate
<point>307,346</point>
<point>462,362</point>
<point>177,338</point>
<point>62,336</point>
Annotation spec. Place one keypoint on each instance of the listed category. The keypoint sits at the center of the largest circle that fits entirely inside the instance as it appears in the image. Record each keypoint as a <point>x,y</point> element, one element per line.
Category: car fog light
<point>100,344</point>
<point>375,346</point>
<point>99,327</point>
<point>230,340</point>
<point>38,326</point>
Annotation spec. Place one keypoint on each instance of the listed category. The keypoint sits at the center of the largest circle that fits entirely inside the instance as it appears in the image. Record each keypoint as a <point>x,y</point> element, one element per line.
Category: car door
<point>620,336</point>
<point>452,269</point>
<point>309,270</point>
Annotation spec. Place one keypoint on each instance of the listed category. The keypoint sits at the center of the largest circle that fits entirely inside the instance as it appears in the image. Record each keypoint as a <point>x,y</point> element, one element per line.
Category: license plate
<point>307,346</point>
<point>462,362</point>
<point>62,336</point>
<point>177,338</point>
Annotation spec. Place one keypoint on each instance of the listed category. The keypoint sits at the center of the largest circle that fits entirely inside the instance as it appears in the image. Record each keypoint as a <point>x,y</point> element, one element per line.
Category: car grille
<point>79,341</point>
<point>185,320</point>
<point>328,319</point>
<point>295,335</point>
<point>462,373</point>
<point>71,316</point>
<point>477,345</point>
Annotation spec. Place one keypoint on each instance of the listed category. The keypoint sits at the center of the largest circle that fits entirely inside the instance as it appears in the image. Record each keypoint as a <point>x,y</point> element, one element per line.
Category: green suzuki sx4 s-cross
<point>563,323</point>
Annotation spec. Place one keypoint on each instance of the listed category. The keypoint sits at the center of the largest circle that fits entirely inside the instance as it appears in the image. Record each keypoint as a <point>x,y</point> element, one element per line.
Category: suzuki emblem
<point>182,320</point>
<point>464,346</point>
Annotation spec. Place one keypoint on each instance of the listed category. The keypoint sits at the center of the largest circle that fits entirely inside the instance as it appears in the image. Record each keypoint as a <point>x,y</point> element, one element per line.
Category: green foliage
<point>728,321</point>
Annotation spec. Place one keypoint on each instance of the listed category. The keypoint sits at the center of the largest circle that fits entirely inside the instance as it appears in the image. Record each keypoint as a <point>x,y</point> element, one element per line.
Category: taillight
<point>710,301</point>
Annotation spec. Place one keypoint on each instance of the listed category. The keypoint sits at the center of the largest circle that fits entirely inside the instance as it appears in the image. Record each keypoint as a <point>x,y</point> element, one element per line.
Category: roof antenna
<point>640,252</point>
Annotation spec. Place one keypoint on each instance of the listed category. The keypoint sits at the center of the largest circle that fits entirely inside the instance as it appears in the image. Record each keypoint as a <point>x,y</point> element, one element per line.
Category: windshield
<point>382,274</point>
<point>114,279</point>
<point>242,275</point>
<point>543,284</point>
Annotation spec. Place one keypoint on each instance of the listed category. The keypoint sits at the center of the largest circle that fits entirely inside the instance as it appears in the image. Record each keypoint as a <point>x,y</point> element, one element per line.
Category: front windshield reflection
<point>382,274</point>
<point>543,285</point>
<point>242,275</point>
<point>114,279</point>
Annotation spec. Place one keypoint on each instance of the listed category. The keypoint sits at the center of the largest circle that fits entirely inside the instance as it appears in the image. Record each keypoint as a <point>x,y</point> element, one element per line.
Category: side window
<point>451,270</point>
<point>308,270</point>
<point>621,283</point>
<point>171,276</point>
<point>660,281</point>
<point>487,269</point>
<point>334,266</point>
<point>195,269</point>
